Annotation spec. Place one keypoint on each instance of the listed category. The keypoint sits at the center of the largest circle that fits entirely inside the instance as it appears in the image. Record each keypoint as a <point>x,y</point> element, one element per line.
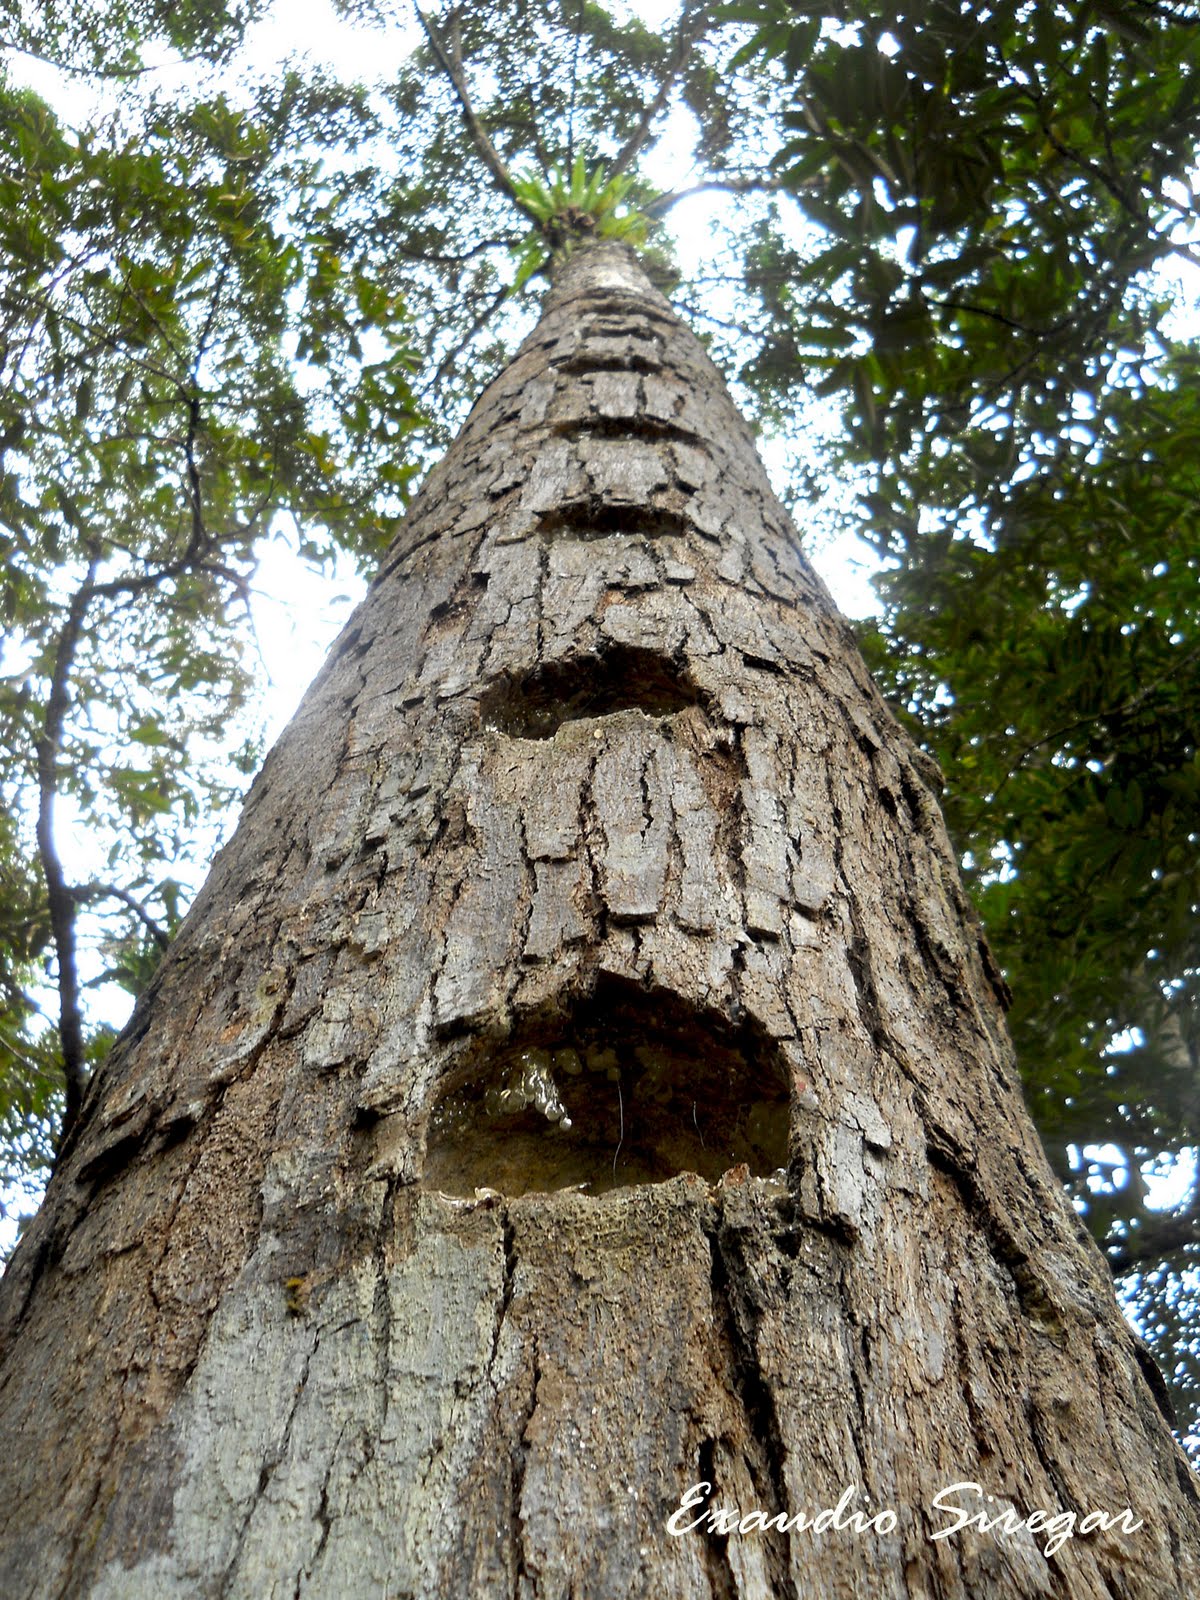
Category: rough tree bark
<point>581,1077</point>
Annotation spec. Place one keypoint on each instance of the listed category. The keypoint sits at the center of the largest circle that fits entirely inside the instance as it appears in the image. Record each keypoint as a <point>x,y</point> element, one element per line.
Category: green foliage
<point>1057,676</point>
<point>571,208</point>
<point>193,344</point>
<point>114,40</point>
<point>30,1113</point>
<point>990,190</point>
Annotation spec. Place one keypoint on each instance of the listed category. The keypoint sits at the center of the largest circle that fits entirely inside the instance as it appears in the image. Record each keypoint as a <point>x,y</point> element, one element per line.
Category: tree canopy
<point>952,228</point>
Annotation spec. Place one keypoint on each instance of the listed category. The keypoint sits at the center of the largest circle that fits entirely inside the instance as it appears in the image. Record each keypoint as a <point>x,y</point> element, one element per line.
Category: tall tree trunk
<point>580,1079</point>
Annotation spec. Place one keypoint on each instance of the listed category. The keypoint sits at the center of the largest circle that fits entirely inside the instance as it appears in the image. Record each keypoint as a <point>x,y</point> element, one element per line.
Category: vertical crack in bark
<point>446,922</point>
<point>853,1353</point>
<point>1037,1305</point>
<point>350,703</point>
<point>380,1317</point>
<point>738,842</point>
<point>1036,1308</point>
<point>324,1517</point>
<point>935,959</point>
<point>858,957</point>
<point>647,797</point>
<point>923,810</point>
<point>722,1583</point>
<point>1066,1500</point>
<point>508,1238</point>
<point>735,1319</point>
<point>543,574</point>
<point>591,833</point>
<point>523,1578</point>
<point>673,874</point>
<point>518,1449</point>
<point>938,960</point>
<point>523,919</point>
<point>858,946</point>
<point>981,1429</point>
<point>86,1525</point>
<point>441,814</point>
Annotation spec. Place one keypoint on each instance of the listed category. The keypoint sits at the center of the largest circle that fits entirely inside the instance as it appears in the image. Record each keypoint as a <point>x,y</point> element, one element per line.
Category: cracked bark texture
<point>595,795</point>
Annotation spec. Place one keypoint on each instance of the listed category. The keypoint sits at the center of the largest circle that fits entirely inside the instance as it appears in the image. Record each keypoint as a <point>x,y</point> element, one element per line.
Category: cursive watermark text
<point>963,1506</point>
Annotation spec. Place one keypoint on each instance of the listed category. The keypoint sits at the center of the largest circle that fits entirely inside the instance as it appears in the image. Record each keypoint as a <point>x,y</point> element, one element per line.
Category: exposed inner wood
<point>630,1087</point>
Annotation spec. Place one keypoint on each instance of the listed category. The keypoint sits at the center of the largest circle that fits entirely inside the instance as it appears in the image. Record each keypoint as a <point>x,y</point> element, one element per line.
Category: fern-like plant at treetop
<point>567,208</point>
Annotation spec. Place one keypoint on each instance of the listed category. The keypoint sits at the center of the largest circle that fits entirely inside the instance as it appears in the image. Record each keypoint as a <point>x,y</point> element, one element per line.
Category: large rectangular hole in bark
<point>636,426</point>
<point>535,705</point>
<point>632,1086</point>
<point>600,519</point>
<point>583,362</point>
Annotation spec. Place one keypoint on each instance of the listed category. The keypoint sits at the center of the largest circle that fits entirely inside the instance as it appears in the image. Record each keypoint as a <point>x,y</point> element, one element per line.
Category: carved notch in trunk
<point>631,1086</point>
<point>623,678</point>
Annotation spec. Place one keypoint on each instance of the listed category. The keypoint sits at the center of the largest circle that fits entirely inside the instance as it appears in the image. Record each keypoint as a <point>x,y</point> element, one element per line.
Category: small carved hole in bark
<point>600,519</point>
<point>639,426</point>
<point>762,664</point>
<point>624,678</point>
<point>585,360</point>
<point>631,1086</point>
<point>449,611</point>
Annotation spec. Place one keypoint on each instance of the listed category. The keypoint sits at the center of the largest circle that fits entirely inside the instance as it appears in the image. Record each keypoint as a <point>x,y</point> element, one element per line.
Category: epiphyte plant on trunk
<point>588,205</point>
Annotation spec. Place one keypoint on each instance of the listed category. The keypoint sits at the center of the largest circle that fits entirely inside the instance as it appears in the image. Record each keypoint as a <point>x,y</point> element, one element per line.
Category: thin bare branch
<point>735,183</point>
<point>97,73</point>
<point>462,344</point>
<point>484,147</point>
<point>88,892</point>
<point>60,900</point>
<point>574,78</point>
<point>103,339</point>
<point>198,536</point>
<point>443,259</point>
<point>688,29</point>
